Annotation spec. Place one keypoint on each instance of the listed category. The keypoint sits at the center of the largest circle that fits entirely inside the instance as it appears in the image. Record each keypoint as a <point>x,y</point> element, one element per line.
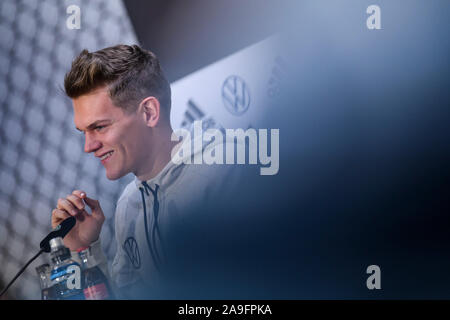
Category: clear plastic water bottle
<point>59,275</point>
<point>43,272</point>
<point>94,282</point>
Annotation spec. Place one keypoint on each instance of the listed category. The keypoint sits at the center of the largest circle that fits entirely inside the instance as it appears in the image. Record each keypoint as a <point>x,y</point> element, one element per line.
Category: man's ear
<point>150,111</point>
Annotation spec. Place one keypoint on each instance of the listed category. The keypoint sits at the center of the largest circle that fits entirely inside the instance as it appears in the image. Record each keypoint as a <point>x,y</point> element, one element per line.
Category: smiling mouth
<point>106,156</point>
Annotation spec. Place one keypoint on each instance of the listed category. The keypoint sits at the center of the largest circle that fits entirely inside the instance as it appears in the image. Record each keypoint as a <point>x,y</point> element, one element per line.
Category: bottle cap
<point>56,243</point>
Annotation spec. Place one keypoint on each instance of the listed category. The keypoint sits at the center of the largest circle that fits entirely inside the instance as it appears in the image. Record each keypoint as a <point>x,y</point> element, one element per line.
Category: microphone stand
<point>21,271</point>
<point>60,231</point>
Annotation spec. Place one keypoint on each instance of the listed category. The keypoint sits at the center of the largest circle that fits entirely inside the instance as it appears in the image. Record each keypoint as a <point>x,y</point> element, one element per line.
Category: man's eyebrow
<point>95,124</point>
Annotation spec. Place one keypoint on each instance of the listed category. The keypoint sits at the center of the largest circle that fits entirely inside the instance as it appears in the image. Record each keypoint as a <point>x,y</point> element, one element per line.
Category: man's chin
<point>114,175</point>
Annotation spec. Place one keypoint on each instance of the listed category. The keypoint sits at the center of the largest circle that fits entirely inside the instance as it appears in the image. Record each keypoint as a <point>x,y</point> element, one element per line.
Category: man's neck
<point>159,157</point>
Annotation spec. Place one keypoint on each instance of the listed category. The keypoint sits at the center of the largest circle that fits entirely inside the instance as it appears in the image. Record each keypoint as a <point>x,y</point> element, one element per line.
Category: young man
<point>163,221</point>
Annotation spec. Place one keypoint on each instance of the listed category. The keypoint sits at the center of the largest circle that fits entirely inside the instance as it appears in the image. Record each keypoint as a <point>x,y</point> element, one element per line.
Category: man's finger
<point>79,193</point>
<point>76,201</point>
<point>58,216</point>
<point>64,204</point>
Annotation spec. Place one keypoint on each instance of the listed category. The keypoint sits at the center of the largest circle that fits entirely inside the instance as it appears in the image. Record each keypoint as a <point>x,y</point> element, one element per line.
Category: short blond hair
<point>130,73</point>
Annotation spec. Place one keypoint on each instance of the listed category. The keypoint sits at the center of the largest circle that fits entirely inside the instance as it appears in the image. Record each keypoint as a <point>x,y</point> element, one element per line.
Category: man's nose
<point>91,144</point>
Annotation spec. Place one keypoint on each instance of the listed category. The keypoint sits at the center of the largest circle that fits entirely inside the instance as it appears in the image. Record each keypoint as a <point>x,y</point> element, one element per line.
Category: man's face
<point>111,133</point>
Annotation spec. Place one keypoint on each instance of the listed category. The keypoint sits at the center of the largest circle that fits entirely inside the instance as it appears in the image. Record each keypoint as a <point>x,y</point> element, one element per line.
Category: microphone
<point>60,231</point>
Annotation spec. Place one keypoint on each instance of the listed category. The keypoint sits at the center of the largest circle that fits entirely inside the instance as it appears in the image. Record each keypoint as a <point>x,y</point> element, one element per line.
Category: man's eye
<point>99,128</point>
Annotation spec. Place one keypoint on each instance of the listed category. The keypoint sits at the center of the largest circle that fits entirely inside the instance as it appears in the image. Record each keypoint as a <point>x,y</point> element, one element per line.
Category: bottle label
<point>60,291</point>
<point>96,292</point>
<point>60,272</point>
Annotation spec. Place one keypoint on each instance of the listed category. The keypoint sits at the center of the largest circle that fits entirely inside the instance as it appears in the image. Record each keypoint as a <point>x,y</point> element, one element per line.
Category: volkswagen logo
<point>131,248</point>
<point>235,95</point>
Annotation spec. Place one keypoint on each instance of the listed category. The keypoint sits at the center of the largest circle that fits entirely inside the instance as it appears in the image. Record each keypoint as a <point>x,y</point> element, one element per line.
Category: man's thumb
<point>93,204</point>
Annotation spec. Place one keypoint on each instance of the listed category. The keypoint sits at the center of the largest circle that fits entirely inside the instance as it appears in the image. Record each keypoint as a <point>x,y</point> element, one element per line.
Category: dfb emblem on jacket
<point>131,248</point>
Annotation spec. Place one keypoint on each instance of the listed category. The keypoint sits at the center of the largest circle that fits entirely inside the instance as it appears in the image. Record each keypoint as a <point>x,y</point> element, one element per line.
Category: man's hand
<point>88,226</point>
